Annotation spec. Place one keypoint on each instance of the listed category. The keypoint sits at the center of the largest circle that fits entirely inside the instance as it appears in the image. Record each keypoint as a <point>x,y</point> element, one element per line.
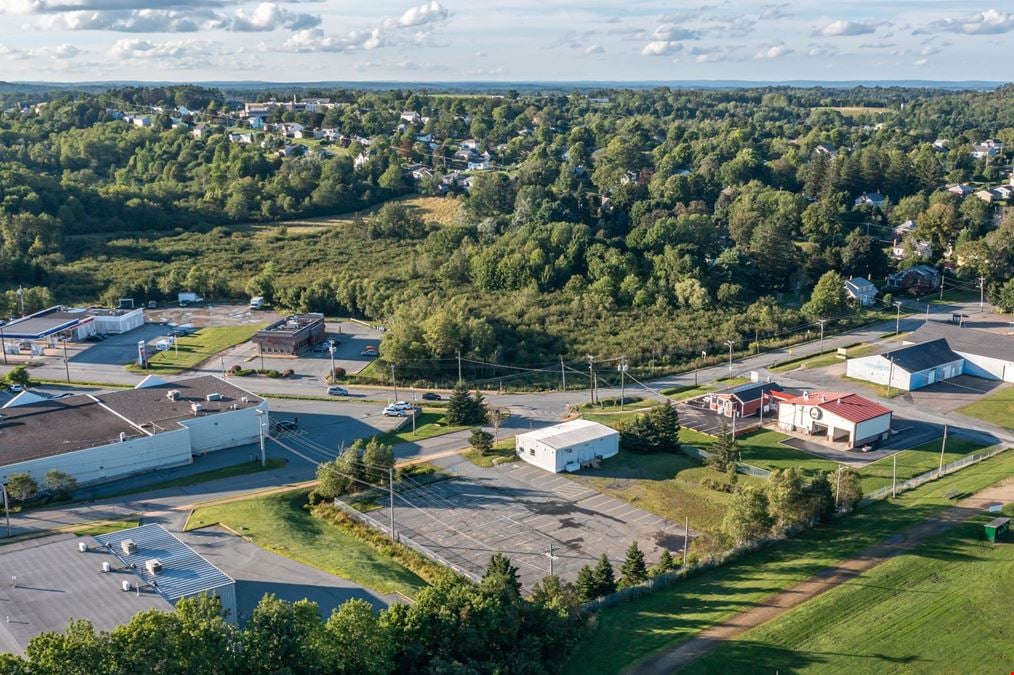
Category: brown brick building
<point>291,335</point>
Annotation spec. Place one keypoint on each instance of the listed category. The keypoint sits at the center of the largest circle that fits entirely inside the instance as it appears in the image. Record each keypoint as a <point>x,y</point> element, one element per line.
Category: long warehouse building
<point>103,437</point>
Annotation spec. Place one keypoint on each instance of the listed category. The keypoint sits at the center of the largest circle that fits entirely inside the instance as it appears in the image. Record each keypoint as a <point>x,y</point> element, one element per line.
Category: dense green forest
<point>656,223</point>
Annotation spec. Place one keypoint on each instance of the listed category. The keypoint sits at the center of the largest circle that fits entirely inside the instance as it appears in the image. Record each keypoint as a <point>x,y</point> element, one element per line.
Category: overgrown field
<point>944,607</point>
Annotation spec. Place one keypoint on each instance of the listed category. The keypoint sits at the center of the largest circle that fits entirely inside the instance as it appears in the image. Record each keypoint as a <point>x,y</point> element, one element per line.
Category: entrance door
<point>932,377</point>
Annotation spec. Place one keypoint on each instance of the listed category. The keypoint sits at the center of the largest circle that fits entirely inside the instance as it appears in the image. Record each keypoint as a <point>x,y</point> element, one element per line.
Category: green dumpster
<point>997,528</point>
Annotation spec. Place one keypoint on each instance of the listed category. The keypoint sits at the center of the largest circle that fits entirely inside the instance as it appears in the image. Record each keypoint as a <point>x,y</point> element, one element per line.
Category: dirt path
<point>672,660</point>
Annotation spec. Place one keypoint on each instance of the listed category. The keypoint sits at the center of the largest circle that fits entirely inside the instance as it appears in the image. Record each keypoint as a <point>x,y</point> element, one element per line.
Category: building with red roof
<point>839,417</point>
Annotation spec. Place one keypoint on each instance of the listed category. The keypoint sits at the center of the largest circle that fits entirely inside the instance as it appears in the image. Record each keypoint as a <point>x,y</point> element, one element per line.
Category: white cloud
<point>269,16</point>
<point>773,12</point>
<point>921,62</point>
<point>667,32</point>
<point>65,51</point>
<point>172,54</point>
<point>847,28</point>
<point>822,51</point>
<point>661,48</point>
<point>314,40</point>
<point>990,22</point>
<point>133,21</point>
<point>595,49</point>
<point>428,12</point>
<point>773,52</point>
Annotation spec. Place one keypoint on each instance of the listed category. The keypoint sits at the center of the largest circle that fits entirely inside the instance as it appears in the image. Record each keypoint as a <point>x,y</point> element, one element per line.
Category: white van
<point>257,302</point>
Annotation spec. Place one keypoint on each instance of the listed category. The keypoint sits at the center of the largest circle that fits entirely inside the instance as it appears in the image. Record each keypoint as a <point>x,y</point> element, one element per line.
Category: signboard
<point>141,356</point>
<point>842,352</point>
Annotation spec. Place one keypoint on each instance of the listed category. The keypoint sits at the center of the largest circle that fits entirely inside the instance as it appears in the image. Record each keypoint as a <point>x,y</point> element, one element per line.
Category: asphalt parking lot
<point>953,393</point>
<point>326,426</point>
<point>522,511</point>
<point>906,434</point>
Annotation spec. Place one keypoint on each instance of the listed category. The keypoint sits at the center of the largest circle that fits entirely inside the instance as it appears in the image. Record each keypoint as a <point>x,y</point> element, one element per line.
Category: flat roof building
<point>75,323</point>
<point>987,354</point>
<point>568,446</point>
<point>102,437</point>
<point>291,335</point>
<point>54,582</point>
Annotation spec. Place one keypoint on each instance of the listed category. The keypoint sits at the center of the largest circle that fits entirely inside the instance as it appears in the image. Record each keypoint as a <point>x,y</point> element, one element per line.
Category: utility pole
<point>897,319</point>
<point>943,446</point>
<point>982,297</point>
<point>3,341</point>
<point>7,510</point>
<point>927,311</point>
<point>591,378</point>
<point>260,350</point>
<point>66,362</point>
<point>549,554</point>
<point>837,487</point>
<point>563,375</point>
<point>459,366</point>
<point>697,365</point>
<point>390,492</point>
<point>941,286</point>
<point>330,350</point>
<point>762,409</point>
<point>822,322</point>
<point>623,371</point>
<point>260,435</point>
<point>394,383</point>
<point>894,476</point>
<point>734,424</point>
<point>21,299</point>
<point>686,540</point>
<point>730,343</point>
<point>890,377</point>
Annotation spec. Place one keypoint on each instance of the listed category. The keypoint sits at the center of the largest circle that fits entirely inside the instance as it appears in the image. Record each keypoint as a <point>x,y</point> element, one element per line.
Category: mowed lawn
<point>764,449</point>
<point>428,423</point>
<point>944,607</point>
<point>279,523</point>
<point>997,408</point>
<point>628,632</point>
<point>915,461</point>
<point>199,347</point>
<point>666,484</point>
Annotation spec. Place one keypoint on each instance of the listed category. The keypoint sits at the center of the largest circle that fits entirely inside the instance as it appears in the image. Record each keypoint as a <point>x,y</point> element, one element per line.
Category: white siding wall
<point>536,453</point>
<point>116,460</point>
<point>116,325</point>
<point>224,429</point>
<point>877,369</point>
<point>988,367</point>
<point>871,429</point>
<point>541,455</point>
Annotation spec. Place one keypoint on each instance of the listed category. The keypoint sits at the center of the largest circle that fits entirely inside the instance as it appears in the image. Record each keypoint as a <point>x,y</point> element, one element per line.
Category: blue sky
<point>197,40</point>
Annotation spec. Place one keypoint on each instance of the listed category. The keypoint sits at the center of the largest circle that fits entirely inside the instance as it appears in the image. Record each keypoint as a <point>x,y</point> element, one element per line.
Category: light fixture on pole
<point>697,365</point>
<point>260,434</point>
<point>897,320</point>
<point>730,343</point>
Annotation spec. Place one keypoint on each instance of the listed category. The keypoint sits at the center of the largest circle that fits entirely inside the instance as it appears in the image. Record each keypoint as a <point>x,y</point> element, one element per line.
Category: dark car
<point>285,425</point>
<point>432,396</point>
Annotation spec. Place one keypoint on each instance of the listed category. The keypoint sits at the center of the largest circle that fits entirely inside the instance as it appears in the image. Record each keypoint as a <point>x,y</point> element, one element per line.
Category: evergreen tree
<point>585,585</point>
<point>848,488</point>
<point>633,571</point>
<point>724,452</point>
<point>747,518</point>
<point>481,441</point>
<point>500,571</point>
<point>460,406</point>
<point>666,563</point>
<point>605,579</point>
<point>787,498</point>
<point>377,459</point>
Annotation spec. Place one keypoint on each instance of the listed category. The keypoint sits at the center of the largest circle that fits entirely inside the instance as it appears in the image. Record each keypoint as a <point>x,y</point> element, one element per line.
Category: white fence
<point>916,481</point>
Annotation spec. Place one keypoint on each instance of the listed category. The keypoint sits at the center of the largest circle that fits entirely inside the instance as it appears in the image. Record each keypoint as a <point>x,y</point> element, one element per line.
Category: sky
<point>507,40</point>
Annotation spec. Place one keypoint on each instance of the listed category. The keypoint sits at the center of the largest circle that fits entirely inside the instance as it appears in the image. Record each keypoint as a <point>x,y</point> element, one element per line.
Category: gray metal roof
<point>184,571</point>
<point>922,356</point>
<point>569,433</point>
<point>966,340</point>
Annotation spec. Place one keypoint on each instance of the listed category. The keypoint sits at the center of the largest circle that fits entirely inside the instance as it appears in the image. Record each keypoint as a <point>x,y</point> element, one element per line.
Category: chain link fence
<point>916,481</point>
<point>704,455</point>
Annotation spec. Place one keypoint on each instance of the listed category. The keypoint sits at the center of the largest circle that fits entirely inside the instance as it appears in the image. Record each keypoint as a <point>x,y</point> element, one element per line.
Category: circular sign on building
<point>815,412</point>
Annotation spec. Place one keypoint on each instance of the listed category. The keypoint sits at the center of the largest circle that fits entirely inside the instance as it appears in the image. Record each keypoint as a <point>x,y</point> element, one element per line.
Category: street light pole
<point>897,319</point>
<point>623,372</point>
<point>730,343</point>
<point>3,342</point>
<point>7,510</point>
<point>66,362</point>
<point>394,383</point>
<point>260,435</point>
<point>822,322</point>
<point>330,349</point>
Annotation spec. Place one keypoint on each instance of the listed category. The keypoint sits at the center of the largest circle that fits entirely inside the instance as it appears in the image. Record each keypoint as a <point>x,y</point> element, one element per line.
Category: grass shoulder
<point>501,453</point>
<point>192,350</point>
<point>997,408</point>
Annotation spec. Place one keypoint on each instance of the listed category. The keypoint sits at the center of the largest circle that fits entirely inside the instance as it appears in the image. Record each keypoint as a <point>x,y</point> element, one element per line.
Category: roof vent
<point>125,586</point>
<point>213,397</point>
<point>128,546</point>
<point>123,436</point>
<point>106,567</point>
<point>154,566</point>
<point>173,394</point>
<point>197,408</point>
<point>245,399</point>
<point>83,547</point>
<point>806,396</point>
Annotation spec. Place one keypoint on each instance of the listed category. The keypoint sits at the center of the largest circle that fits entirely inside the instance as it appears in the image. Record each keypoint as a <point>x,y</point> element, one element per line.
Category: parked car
<point>402,405</point>
<point>370,352</point>
<point>432,396</point>
<point>392,411</point>
<point>337,391</point>
<point>16,388</point>
<point>321,348</point>
<point>286,425</point>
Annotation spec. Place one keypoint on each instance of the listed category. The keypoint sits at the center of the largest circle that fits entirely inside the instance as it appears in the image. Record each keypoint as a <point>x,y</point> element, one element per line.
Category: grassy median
<point>192,350</point>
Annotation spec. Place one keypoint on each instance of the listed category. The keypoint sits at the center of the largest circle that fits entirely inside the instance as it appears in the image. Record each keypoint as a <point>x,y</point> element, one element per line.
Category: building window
<point>531,451</point>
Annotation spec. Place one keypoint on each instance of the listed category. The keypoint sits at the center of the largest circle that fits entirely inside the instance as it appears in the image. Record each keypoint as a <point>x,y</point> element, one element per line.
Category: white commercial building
<point>102,437</point>
<point>840,418</point>
<point>987,354</point>
<point>909,368</point>
<point>568,446</point>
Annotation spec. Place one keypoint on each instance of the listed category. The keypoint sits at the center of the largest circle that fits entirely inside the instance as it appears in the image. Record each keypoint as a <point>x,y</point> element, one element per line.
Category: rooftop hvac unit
<point>128,546</point>
<point>83,547</point>
<point>123,436</point>
<point>197,408</point>
<point>213,397</point>
<point>173,394</point>
<point>234,407</point>
<point>106,567</point>
<point>125,585</point>
<point>245,399</point>
<point>154,566</point>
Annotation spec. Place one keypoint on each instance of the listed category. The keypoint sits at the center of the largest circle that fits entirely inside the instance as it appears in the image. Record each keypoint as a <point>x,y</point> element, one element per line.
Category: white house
<point>861,289</point>
<point>874,199</point>
<point>909,368</point>
<point>986,149</point>
<point>840,418</point>
<point>568,446</point>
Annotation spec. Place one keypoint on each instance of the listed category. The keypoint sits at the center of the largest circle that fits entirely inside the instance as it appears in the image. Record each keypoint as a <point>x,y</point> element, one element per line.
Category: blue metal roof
<point>184,571</point>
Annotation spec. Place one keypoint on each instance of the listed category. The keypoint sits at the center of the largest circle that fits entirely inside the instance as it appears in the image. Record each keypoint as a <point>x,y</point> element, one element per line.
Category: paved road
<point>673,659</point>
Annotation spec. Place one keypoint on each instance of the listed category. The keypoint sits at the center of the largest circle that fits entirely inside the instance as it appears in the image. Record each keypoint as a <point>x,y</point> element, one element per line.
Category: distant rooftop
<point>184,571</point>
<point>293,324</point>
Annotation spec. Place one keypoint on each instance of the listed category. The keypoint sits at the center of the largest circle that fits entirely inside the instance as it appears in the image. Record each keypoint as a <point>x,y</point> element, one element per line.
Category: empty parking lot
<point>525,512</point>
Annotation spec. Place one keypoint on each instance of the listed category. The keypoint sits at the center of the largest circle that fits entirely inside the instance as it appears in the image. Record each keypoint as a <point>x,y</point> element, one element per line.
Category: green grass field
<point>823,360</point>
<point>279,523</point>
<point>765,450</point>
<point>197,348</point>
<point>914,461</point>
<point>683,393</point>
<point>626,633</point>
<point>997,408</point>
<point>667,484</point>
<point>944,607</point>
